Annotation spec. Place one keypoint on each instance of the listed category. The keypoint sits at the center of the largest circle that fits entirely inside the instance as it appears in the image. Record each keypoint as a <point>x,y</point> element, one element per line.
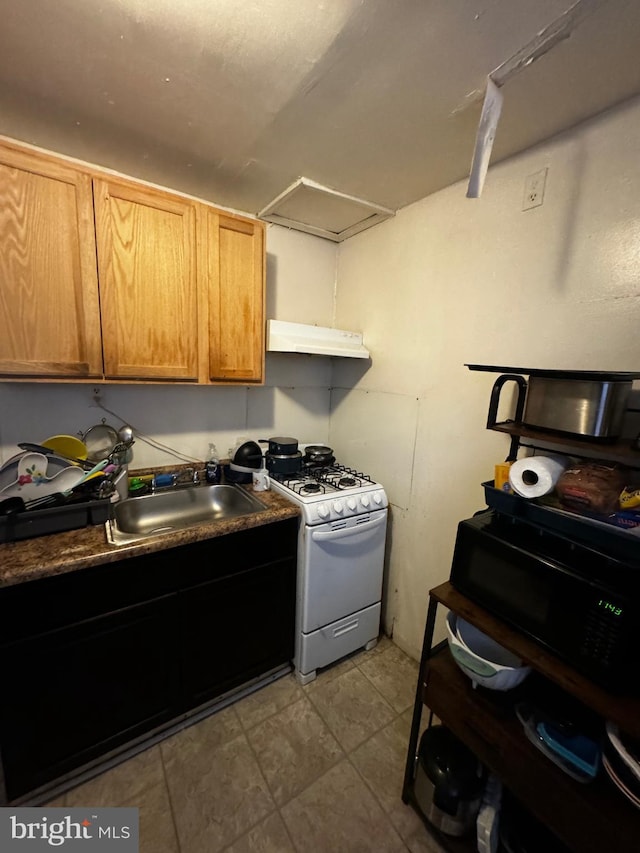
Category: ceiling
<point>233,100</point>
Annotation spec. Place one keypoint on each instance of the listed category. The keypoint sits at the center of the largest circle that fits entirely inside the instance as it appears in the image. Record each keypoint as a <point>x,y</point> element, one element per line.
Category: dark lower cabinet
<point>75,693</point>
<point>236,628</point>
<point>93,660</point>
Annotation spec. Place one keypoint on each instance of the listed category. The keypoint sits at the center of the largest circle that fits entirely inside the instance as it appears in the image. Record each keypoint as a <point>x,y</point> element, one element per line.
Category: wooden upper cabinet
<point>147,268</point>
<point>49,308</point>
<point>234,250</point>
<point>106,278</point>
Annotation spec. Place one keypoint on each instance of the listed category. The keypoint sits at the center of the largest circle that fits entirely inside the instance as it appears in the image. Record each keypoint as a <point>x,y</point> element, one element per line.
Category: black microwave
<point>579,602</point>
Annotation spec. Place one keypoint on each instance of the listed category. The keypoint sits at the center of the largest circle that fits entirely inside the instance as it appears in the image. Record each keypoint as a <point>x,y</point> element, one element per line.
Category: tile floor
<point>289,769</point>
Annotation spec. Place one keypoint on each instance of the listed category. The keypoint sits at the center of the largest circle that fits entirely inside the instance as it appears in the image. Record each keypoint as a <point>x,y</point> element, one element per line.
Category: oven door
<point>341,567</point>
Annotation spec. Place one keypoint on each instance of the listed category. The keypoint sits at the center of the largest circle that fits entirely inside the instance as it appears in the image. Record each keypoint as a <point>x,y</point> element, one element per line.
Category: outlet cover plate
<point>534,186</point>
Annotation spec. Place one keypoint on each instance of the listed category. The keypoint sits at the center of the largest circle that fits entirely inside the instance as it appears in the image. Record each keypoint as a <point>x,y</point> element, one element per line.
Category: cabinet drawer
<point>40,606</point>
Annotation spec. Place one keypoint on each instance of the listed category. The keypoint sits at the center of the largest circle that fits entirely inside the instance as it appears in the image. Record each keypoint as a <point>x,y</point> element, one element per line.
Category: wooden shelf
<point>623,710</point>
<point>589,818</point>
<point>615,451</point>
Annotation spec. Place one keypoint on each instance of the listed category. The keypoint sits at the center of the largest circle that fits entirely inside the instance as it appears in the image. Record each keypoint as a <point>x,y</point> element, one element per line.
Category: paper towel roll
<point>536,476</point>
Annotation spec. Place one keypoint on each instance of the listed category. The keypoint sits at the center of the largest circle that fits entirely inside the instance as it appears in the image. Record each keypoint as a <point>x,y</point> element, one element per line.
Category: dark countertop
<point>45,556</point>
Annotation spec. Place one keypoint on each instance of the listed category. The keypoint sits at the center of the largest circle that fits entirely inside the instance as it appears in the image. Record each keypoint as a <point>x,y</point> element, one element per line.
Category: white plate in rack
<point>33,476</point>
<point>9,471</point>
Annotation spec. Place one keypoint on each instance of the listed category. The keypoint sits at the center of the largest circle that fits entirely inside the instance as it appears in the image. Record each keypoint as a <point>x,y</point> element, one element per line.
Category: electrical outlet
<point>534,189</point>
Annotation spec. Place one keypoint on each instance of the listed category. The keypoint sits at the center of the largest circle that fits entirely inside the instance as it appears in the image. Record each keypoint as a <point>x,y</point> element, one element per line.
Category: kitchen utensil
<point>240,474</point>
<point>290,463</point>
<point>318,455</point>
<point>99,467</point>
<point>66,445</point>
<point>532,720</point>
<point>125,434</point>
<point>100,441</point>
<point>41,448</point>
<point>588,407</point>
<point>612,774</point>
<point>248,455</point>
<point>577,749</point>
<point>282,445</point>
<point>10,505</point>
<point>449,781</point>
<point>283,456</point>
<point>9,471</point>
<point>32,480</point>
<point>261,481</point>
<point>9,509</point>
<point>483,660</point>
<point>627,750</point>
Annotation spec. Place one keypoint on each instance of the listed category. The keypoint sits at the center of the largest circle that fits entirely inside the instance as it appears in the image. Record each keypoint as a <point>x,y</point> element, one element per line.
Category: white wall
<point>294,400</point>
<point>451,281</point>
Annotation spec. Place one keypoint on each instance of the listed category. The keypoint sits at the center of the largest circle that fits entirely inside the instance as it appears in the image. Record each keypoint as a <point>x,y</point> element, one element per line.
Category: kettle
<point>449,782</point>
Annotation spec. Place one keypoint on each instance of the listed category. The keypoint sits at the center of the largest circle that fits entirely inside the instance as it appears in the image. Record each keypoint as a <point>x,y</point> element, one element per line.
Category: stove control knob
<point>351,503</point>
<point>323,511</point>
<point>377,498</point>
<point>364,500</point>
<point>338,506</point>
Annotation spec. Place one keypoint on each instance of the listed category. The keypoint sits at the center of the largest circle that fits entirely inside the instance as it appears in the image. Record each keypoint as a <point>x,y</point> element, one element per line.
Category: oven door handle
<point>342,533</point>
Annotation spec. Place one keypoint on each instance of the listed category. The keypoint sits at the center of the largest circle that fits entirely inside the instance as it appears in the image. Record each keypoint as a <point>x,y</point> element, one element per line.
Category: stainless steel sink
<point>165,512</point>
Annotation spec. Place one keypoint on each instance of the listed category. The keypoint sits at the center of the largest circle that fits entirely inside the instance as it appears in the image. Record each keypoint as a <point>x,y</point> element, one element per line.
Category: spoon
<point>125,434</point>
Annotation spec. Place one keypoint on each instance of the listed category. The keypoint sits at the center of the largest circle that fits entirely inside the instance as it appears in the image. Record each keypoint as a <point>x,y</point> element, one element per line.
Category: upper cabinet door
<point>49,308</point>
<point>147,269</point>
<point>235,264</point>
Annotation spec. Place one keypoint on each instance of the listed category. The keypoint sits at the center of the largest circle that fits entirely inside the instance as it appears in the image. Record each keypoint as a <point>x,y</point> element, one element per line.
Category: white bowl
<point>495,668</point>
<point>484,647</point>
<point>615,737</point>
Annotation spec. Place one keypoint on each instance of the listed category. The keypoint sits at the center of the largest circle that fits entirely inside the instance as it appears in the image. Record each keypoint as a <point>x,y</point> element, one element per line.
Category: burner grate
<point>301,484</point>
<point>322,479</point>
<point>341,477</point>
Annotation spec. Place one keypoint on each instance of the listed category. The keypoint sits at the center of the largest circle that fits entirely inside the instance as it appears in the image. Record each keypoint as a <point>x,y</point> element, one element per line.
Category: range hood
<point>315,340</point>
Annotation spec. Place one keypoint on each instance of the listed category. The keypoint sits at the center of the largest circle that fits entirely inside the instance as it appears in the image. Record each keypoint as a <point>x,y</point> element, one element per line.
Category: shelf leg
<point>409,771</point>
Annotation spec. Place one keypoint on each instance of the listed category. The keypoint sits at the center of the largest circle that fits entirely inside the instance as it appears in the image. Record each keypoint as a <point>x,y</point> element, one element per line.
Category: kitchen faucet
<point>186,477</point>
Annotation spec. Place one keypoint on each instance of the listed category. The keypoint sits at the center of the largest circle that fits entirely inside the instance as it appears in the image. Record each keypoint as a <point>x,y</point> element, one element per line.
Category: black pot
<point>318,455</point>
<point>289,463</point>
<point>283,446</point>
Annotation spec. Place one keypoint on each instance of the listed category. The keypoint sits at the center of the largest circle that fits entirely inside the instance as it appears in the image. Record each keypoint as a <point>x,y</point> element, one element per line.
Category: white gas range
<point>341,547</point>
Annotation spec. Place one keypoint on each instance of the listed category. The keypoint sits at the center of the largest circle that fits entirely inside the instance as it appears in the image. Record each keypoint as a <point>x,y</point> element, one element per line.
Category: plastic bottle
<point>212,468</point>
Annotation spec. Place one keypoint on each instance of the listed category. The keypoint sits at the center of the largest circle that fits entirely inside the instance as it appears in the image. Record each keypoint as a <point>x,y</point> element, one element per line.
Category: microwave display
<point>610,607</point>
<point>553,590</point>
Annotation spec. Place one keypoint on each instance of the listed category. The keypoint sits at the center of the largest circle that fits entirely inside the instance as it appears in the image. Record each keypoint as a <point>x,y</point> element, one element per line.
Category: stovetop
<point>331,493</point>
